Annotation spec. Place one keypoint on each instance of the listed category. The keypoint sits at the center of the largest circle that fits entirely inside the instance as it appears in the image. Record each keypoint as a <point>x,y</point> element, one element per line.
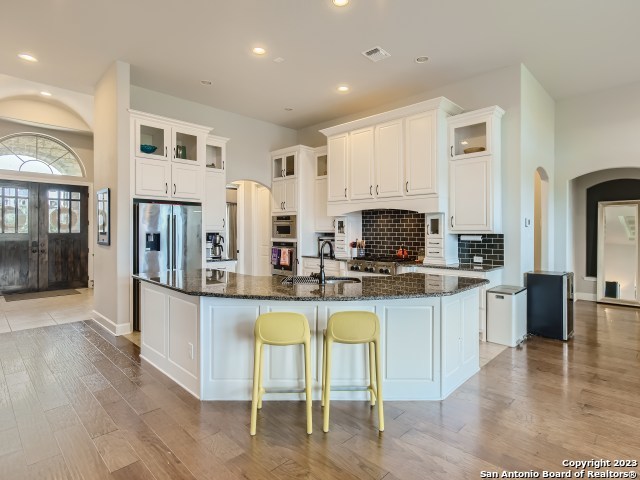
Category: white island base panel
<point>429,345</point>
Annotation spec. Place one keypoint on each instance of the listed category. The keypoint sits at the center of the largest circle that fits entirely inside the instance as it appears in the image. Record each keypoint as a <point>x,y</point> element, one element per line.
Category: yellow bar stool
<point>353,327</point>
<point>280,328</point>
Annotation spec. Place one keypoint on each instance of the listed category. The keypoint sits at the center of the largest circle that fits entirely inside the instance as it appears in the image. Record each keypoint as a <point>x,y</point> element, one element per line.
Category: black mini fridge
<point>550,304</point>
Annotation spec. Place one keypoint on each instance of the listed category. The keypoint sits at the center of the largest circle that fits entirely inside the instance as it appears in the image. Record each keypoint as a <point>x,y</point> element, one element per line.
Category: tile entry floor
<point>44,312</point>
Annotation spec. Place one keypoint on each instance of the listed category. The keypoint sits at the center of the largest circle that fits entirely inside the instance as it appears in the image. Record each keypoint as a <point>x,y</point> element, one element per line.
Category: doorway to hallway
<point>43,236</point>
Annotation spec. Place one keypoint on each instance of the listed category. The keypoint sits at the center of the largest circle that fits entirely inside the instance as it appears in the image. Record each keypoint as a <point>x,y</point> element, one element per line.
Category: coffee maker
<point>214,245</point>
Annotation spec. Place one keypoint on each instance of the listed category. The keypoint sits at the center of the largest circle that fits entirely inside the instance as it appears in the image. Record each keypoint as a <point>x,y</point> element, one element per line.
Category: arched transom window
<point>38,153</point>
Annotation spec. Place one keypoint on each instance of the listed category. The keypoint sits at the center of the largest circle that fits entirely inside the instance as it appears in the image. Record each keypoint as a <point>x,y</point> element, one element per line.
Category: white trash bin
<point>506,315</point>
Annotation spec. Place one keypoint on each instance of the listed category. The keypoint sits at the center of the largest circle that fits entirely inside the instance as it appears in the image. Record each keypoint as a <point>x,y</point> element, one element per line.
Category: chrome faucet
<point>322,278</point>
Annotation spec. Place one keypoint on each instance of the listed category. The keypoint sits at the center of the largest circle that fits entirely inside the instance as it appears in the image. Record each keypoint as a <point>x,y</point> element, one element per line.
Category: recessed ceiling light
<point>422,59</point>
<point>259,51</point>
<point>343,88</point>
<point>288,109</point>
<point>45,94</point>
<point>27,57</point>
<point>340,3</point>
<point>205,82</point>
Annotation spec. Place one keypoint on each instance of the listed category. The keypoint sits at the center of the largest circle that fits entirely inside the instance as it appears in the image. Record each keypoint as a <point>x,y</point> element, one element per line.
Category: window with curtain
<point>38,153</point>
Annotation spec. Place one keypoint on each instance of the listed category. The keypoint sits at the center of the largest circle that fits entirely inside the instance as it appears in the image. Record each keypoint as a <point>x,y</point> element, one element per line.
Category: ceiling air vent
<point>376,54</point>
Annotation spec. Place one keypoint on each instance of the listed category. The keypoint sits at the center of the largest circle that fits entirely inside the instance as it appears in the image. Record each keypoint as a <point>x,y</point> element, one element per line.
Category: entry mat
<point>14,297</point>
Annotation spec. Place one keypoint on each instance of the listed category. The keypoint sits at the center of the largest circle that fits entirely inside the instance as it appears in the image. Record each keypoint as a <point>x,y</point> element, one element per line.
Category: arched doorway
<point>541,235</point>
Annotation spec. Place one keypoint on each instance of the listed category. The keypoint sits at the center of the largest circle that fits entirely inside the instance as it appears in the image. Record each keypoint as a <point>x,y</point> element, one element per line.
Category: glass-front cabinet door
<point>185,145</point>
<point>153,140</point>
<point>284,166</point>
<point>476,133</point>
<point>215,154</point>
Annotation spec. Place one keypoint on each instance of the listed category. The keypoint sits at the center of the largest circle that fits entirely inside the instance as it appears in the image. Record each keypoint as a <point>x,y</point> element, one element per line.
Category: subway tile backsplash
<point>387,230</point>
<point>491,249</point>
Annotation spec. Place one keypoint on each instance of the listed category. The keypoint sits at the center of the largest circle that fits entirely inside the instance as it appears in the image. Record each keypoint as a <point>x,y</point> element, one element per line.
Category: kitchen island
<point>197,328</point>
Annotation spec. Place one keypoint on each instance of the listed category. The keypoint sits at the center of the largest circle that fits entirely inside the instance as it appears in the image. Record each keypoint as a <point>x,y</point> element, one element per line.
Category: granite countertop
<point>469,267</point>
<point>217,283</point>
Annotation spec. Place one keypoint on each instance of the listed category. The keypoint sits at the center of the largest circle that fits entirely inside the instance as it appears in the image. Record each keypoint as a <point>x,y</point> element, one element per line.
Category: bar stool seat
<point>353,328</point>
<point>280,328</point>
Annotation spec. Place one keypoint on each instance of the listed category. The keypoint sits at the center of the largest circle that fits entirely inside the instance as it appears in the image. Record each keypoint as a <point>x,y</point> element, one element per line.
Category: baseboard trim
<point>590,297</point>
<point>110,326</point>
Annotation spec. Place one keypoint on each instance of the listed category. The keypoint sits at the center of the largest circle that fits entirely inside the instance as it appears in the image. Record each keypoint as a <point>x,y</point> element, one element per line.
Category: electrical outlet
<point>477,259</point>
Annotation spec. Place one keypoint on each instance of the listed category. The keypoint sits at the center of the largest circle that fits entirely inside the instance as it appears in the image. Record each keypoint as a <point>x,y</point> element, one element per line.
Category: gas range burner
<point>386,259</point>
<point>370,267</point>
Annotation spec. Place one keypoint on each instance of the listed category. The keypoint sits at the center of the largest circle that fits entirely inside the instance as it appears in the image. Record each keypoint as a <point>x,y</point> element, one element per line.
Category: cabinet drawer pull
<point>174,152</point>
<point>224,222</point>
<point>165,151</point>
<point>166,188</point>
<point>371,190</point>
<point>345,192</point>
<point>407,186</point>
<point>174,188</point>
<point>452,150</point>
<point>377,189</point>
<point>451,221</point>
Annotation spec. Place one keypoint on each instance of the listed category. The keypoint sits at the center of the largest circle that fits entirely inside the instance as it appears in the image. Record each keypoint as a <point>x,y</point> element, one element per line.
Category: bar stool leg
<point>324,365</point>
<point>372,375</point>
<point>260,387</point>
<point>257,360</point>
<point>307,383</point>
<point>327,386</point>
<point>379,386</point>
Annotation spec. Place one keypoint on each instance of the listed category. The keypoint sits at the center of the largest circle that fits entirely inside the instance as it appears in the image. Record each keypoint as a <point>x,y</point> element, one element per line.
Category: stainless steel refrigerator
<point>166,237</point>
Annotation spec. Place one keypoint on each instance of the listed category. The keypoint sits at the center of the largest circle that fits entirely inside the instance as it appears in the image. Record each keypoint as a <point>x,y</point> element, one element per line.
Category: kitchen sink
<point>314,280</point>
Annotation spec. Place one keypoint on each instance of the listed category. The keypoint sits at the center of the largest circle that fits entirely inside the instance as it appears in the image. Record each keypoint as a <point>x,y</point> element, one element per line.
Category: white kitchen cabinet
<point>334,268</point>
<point>285,196</point>
<point>215,201</point>
<point>337,156</point>
<point>420,143</point>
<point>388,159</point>
<point>459,340</point>
<point>440,248</point>
<point>186,181</point>
<point>475,200</point>
<point>392,160</point>
<point>170,334</point>
<point>216,154</point>
<point>361,168</point>
<point>284,165</point>
<point>322,221</point>
<point>175,169</point>
<point>152,178</point>
<point>471,195</point>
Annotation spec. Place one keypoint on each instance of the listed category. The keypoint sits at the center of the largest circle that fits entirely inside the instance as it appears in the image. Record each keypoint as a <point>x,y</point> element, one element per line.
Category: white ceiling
<point>571,46</point>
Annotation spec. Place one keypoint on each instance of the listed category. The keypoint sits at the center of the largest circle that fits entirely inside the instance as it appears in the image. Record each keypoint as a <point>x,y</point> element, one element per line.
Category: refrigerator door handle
<point>168,237</point>
<point>173,242</point>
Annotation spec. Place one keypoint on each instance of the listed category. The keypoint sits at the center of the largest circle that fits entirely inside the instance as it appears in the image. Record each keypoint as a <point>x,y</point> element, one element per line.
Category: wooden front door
<point>43,236</point>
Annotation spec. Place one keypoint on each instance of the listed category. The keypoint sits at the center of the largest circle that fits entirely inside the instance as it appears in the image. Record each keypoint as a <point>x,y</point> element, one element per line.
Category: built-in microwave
<point>284,226</point>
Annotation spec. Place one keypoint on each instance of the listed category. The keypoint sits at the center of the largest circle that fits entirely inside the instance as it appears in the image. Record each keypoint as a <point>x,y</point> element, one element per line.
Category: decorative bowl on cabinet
<point>148,148</point>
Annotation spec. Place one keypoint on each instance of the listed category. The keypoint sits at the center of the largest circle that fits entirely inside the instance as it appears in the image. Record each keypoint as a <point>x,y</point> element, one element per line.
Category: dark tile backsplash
<point>387,230</point>
<point>491,248</point>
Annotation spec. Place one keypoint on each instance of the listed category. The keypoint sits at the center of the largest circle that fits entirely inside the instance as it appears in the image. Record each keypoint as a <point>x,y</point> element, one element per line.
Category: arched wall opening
<point>585,192</point>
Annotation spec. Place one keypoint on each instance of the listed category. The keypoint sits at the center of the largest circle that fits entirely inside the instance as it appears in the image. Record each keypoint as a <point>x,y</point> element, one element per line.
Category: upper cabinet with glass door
<point>284,165</point>
<point>475,133</point>
<point>216,155</point>
<point>161,138</point>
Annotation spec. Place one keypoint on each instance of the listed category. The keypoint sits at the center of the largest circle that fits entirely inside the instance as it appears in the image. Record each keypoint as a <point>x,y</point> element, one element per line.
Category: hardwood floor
<point>78,403</point>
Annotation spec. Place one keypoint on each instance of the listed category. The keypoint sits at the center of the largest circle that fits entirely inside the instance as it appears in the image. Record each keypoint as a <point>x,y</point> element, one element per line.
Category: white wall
<point>42,112</point>
<point>594,132</point>
<point>250,141</point>
<point>112,264</point>
<point>537,142</point>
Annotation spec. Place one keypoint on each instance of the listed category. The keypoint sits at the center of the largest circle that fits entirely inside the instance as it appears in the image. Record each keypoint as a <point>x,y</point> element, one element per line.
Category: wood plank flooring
<point>78,403</point>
